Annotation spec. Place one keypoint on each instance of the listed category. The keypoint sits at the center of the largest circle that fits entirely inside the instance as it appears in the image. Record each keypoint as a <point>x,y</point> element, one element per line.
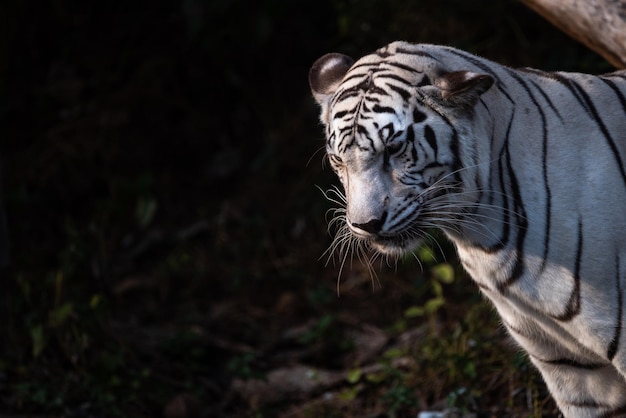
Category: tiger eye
<point>394,148</point>
<point>335,159</point>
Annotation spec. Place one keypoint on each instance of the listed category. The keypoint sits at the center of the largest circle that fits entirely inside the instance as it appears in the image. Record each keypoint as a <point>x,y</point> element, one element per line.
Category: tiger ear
<point>326,75</point>
<point>463,87</point>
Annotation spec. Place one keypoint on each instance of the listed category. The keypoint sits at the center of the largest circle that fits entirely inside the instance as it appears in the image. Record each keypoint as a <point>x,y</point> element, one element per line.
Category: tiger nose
<point>373,226</point>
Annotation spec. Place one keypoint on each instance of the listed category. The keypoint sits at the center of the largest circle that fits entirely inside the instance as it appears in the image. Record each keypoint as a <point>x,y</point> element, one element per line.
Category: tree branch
<point>599,24</point>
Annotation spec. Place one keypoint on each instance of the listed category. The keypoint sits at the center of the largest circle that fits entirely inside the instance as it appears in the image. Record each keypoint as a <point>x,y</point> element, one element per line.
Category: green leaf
<point>354,376</point>
<point>376,377</point>
<point>437,289</point>
<point>60,314</point>
<point>470,370</point>
<point>349,394</point>
<point>95,301</point>
<point>426,254</point>
<point>39,342</point>
<point>433,304</point>
<point>414,311</point>
<point>399,326</point>
<point>443,272</point>
<point>145,211</point>
<point>393,353</point>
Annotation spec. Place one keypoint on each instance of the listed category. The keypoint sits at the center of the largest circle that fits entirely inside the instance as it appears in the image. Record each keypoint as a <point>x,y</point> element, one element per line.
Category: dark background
<point>160,162</point>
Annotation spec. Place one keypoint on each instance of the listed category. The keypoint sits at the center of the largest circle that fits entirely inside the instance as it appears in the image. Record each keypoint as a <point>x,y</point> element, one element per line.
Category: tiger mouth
<point>393,245</point>
<point>396,244</point>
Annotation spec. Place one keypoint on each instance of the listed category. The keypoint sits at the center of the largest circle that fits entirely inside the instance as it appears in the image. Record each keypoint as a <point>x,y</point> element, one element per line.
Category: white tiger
<point>525,173</point>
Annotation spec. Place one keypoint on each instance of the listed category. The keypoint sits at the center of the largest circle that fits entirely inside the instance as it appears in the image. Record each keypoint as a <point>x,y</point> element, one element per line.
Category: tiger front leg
<point>585,390</point>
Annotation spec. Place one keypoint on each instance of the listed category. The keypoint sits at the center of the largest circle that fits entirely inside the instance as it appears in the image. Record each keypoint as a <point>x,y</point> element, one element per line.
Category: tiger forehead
<point>374,100</point>
<point>378,106</point>
<point>378,88</point>
<point>383,79</point>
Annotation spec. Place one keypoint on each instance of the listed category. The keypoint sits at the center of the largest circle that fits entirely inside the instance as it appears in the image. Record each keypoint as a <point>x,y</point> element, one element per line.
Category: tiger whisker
<point>322,148</point>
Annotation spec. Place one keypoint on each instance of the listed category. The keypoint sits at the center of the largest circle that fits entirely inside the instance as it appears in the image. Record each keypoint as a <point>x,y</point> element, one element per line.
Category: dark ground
<point>160,163</point>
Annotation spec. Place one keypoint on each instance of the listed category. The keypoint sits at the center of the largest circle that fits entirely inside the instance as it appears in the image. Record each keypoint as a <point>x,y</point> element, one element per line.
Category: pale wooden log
<point>599,24</point>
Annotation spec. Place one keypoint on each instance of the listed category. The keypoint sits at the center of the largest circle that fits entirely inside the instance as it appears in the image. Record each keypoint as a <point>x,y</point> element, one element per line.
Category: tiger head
<point>393,138</point>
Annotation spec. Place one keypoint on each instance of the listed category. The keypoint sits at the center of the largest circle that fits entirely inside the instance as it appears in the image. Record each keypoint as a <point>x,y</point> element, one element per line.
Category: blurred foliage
<point>160,161</point>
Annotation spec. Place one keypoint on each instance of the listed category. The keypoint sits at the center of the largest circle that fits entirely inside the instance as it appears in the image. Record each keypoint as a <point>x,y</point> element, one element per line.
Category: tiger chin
<point>394,246</point>
<point>523,170</point>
